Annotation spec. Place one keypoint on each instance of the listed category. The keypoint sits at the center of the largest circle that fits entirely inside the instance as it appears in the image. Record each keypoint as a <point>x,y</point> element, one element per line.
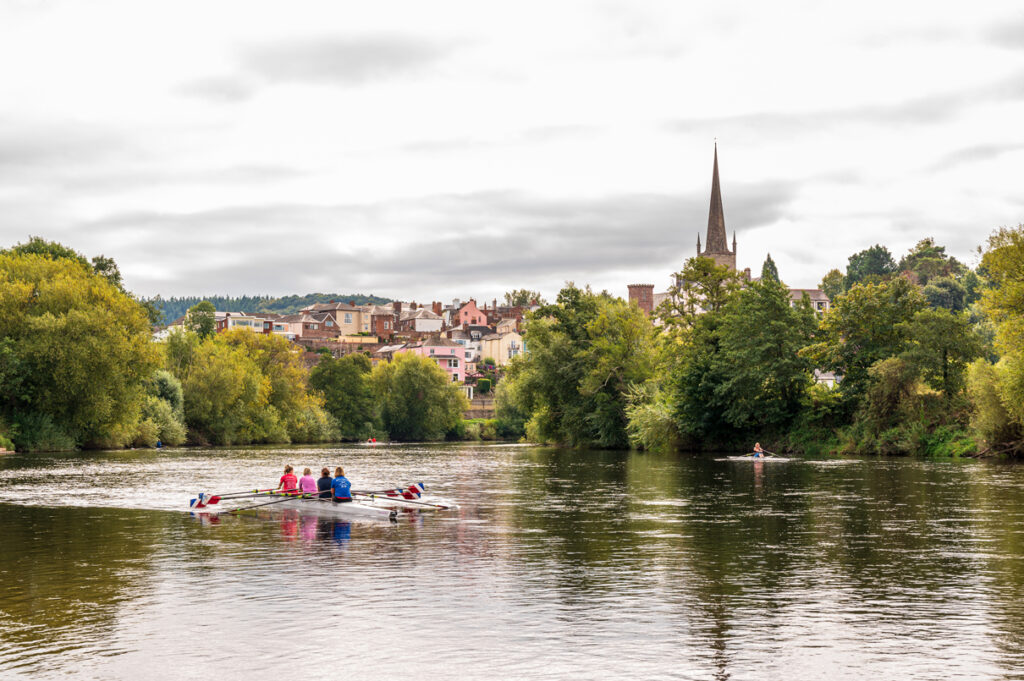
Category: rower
<point>324,483</point>
<point>758,452</point>
<point>341,486</point>
<point>288,482</point>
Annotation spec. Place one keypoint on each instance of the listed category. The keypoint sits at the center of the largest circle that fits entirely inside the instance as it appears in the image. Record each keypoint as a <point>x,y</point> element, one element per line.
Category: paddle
<point>202,501</point>
<point>404,501</point>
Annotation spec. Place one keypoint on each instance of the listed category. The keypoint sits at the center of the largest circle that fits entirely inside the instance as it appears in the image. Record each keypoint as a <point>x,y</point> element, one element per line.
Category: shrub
<point>483,386</point>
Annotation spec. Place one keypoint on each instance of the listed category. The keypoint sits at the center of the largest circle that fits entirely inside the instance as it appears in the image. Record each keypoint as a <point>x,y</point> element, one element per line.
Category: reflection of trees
<point>67,573</point>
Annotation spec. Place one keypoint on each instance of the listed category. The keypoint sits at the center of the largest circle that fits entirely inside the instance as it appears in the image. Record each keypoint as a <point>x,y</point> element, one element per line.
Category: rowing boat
<point>748,457</point>
<point>327,507</point>
<point>419,503</point>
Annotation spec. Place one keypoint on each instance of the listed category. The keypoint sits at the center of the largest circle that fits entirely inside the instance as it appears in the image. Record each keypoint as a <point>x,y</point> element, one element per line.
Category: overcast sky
<point>428,150</point>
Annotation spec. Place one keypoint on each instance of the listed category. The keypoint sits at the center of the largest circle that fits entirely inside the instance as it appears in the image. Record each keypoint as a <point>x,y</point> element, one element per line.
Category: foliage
<point>870,265</point>
<point>344,384</point>
<point>940,344</point>
<point>947,293</point>
<point>483,386</point>
<point>201,319</point>
<point>928,261</point>
<point>769,270</point>
<point>522,297</point>
<point>173,308</point>
<point>651,424</point>
<point>417,400</point>
<point>991,420</point>
<point>862,328</point>
<point>833,284</point>
<point>739,369</point>
<point>6,443</point>
<point>77,352</point>
<point>586,351</point>
<point>101,265</point>
<point>701,286</point>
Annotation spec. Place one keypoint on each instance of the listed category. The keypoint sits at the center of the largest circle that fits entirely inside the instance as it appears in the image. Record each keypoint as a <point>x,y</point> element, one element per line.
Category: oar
<point>404,501</point>
<point>215,498</point>
<point>275,501</point>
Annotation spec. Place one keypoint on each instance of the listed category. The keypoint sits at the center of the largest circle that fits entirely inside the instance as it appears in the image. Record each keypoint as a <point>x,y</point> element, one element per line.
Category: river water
<point>557,565</point>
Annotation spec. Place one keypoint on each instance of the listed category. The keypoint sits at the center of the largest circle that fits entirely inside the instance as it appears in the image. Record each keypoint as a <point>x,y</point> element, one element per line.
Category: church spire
<point>717,241</point>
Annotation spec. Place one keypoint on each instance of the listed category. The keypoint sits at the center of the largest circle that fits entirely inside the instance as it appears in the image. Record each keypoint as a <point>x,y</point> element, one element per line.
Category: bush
<point>483,386</point>
<point>5,443</point>
<point>38,433</point>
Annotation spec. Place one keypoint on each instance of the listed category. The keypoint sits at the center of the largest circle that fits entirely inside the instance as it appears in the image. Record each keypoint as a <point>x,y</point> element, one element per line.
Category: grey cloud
<point>36,147</point>
<point>1008,33</point>
<point>127,177</point>
<point>463,239</point>
<point>220,89</point>
<point>341,59</point>
<point>974,154</point>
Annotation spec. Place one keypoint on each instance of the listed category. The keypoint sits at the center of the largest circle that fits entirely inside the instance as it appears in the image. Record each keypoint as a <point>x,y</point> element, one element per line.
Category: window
<point>348,317</point>
<point>453,364</point>
<point>431,350</point>
<point>329,323</point>
<point>387,325</point>
<point>455,378</point>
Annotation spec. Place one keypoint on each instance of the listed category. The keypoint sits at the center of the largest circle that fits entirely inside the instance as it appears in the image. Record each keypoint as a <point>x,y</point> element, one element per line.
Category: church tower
<point>717,245</point>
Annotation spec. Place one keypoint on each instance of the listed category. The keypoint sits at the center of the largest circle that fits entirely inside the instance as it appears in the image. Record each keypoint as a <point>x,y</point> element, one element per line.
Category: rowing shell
<point>420,503</point>
<point>751,458</point>
<point>326,507</point>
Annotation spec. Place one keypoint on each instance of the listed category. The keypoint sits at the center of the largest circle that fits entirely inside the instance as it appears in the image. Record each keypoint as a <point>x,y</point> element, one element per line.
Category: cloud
<point>1008,33</point>
<point>341,59</point>
<point>973,154</point>
<point>42,146</point>
<point>219,89</point>
<point>506,237</point>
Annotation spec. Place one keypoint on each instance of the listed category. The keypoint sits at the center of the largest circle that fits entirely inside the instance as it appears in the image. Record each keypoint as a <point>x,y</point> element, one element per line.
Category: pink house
<point>470,314</point>
<point>447,354</point>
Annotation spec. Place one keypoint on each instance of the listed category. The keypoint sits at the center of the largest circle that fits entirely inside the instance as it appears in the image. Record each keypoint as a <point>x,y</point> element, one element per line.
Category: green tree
<point>201,319</point>
<point>833,284</point>
<point>80,352</point>
<point>345,386</point>
<point>946,293</point>
<point>417,400</point>
<point>769,270</point>
<point>928,261</point>
<point>701,286</point>
<point>523,298</point>
<point>870,265</point>
<point>586,353</point>
<point>940,345</point>
<point>862,328</point>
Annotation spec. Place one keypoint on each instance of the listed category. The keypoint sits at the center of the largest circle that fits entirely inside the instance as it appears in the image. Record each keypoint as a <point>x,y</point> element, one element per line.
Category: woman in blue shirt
<point>341,486</point>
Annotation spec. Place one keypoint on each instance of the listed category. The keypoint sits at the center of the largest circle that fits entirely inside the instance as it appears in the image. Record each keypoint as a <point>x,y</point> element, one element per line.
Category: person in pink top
<point>307,483</point>
<point>289,482</point>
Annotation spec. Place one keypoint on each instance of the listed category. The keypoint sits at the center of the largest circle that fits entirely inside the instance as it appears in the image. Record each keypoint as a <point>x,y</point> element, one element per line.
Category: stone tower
<point>717,246</point>
<point>643,296</point>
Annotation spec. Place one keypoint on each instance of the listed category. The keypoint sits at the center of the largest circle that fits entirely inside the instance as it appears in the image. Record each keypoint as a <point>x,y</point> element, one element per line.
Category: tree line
<point>172,308</point>
<point>79,368</point>
<point>928,353</point>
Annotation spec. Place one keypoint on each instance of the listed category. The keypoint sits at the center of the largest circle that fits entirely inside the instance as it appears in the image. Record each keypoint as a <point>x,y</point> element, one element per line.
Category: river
<point>557,565</point>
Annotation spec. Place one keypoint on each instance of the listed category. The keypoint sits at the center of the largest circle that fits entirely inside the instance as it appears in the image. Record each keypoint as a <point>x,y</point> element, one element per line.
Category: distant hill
<point>172,308</point>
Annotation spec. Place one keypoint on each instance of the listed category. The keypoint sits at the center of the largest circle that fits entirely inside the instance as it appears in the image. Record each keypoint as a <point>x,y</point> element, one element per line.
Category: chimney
<point>332,300</point>
<point>494,304</point>
<point>437,308</point>
<point>352,303</point>
<point>397,307</point>
<point>413,305</point>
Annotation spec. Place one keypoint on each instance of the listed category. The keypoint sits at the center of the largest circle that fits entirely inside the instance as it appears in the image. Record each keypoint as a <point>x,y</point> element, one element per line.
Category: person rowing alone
<point>341,486</point>
<point>758,452</point>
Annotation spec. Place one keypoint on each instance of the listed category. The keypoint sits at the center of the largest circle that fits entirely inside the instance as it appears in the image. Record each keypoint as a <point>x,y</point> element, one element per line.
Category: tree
<point>870,265</point>
<point>80,350</point>
<point>417,401</point>
<point>201,319</point>
<point>862,328</point>
<point>345,386</point>
<point>739,369</point>
<point>940,345</point>
<point>927,261</point>
<point>522,297</point>
<point>586,352</point>
<point>946,293</point>
<point>701,286</point>
<point>769,270</point>
<point>833,284</point>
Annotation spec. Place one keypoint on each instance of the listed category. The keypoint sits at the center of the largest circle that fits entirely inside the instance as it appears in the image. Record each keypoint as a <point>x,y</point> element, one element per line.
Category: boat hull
<point>324,507</point>
<point>422,504</point>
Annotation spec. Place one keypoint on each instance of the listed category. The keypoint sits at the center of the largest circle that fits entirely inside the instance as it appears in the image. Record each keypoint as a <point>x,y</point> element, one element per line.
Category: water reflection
<point>560,564</point>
